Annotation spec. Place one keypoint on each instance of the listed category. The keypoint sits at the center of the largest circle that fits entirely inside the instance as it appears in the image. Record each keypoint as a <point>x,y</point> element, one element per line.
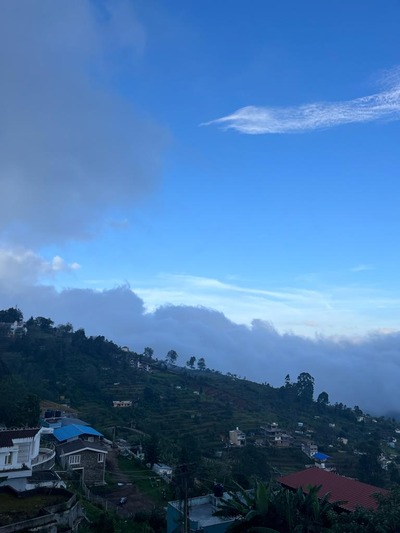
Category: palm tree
<point>315,514</point>
<point>252,509</point>
<point>269,510</point>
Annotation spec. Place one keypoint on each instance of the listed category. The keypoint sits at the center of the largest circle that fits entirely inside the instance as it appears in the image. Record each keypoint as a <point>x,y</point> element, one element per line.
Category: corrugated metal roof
<point>321,456</point>
<point>340,488</point>
<point>74,430</point>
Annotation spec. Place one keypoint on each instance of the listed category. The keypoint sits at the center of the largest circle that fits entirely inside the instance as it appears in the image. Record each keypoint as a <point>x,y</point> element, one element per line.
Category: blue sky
<point>241,157</point>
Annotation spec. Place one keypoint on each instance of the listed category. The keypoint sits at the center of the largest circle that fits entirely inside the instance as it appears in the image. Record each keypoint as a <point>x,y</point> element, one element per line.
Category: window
<point>74,459</point>
<point>100,457</point>
<point>8,459</point>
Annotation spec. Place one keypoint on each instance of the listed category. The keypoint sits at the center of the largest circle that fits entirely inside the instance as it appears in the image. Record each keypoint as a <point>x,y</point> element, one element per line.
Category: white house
<point>309,448</point>
<point>237,437</point>
<point>20,453</point>
<point>162,470</point>
<point>122,403</point>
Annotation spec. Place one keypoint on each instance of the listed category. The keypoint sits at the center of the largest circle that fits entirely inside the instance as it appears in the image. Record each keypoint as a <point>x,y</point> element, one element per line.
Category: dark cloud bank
<point>364,373</point>
<point>72,149</point>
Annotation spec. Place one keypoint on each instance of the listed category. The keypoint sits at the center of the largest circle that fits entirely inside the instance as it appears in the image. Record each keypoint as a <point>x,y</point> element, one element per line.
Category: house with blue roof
<point>75,431</point>
<point>320,459</point>
<point>81,449</point>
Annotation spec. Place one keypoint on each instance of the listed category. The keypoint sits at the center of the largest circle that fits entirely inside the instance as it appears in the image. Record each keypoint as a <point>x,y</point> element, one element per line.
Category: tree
<point>65,329</point>
<point>323,398</point>
<point>186,469</point>
<point>44,324</point>
<point>191,361</point>
<point>252,509</point>
<point>305,387</point>
<point>30,410</point>
<point>18,407</point>
<point>315,512</point>
<point>369,469</point>
<point>151,450</point>
<point>11,315</point>
<point>172,356</point>
<point>148,352</point>
<point>201,364</point>
<point>270,509</point>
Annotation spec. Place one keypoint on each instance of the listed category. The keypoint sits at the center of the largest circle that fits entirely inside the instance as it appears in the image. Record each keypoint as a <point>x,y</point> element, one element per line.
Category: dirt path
<point>135,501</point>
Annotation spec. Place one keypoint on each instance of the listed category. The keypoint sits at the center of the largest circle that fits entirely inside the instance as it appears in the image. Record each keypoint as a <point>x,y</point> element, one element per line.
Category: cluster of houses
<point>28,458</point>
<point>268,435</point>
<point>28,466</point>
<point>28,455</point>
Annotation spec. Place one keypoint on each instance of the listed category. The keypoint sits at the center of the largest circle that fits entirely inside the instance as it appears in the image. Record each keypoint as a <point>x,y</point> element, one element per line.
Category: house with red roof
<point>349,492</point>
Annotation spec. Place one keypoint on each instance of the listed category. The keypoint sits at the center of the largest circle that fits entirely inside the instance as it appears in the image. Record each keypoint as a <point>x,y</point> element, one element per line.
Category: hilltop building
<point>237,437</point>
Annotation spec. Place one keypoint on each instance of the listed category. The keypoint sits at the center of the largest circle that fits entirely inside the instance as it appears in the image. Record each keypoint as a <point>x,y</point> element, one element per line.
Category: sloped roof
<point>80,445</point>
<point>77,421</point>
<point>47,404</point>
<point>353,493</point>
<point>8,435</point>
<point>320,456</point>
<point>74,430</point>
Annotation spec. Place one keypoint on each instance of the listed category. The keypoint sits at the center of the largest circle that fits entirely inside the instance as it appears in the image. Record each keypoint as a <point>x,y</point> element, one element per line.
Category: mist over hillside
<point>355,372</point>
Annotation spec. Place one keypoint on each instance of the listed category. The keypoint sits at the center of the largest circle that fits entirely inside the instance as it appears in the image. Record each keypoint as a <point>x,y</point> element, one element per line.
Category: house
<point>75,431</point>
<point>137,452</point>
<point>122,403</point>
<point>276,437</point>
<point>68,421</point>
<point>53,410</point>
<point>350,493</point>
<point>163,471</point>
<point>237,437</point>
<point>80,448</point>
<point>200,515</point>
<point>309,448</point>
<point>320,459</point>
<point>88,458</point>
<point>20,454</point>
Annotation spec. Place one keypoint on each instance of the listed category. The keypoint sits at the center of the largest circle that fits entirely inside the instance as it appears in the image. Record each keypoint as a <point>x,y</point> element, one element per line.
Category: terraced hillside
<point>177,405</point>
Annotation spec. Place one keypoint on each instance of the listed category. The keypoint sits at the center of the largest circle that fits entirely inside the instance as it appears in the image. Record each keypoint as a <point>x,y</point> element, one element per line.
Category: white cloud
<point>21,267</point>
<point>318,115</point>
<point>362,268</point>
<point>332,310</point>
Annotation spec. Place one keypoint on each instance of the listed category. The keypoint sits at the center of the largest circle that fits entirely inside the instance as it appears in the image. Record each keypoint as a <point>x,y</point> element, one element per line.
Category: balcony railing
<point>45,460</point>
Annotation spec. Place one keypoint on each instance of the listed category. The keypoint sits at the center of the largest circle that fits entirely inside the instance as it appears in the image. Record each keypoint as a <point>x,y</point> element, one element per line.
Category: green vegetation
<point>274,509</point>
<point>25,508</point>
<point>181,415</point>
<point>146,481</point>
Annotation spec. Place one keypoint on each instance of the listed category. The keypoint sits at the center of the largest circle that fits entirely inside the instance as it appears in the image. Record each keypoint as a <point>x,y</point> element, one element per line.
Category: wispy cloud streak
<point>295,119</point>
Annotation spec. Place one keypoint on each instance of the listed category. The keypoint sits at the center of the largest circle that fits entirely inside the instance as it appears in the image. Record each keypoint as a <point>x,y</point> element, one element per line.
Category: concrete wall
<point>65,516</point>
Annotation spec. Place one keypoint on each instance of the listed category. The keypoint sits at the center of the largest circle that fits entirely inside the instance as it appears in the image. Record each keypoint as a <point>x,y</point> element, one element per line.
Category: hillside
<point>178,407</point>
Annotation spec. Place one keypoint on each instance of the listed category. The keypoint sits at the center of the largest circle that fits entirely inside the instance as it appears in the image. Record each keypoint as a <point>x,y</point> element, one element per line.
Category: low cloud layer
<point>254,120</point>
<point>71,148</point>
<point>349,309</point>
<point>350,371</point>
